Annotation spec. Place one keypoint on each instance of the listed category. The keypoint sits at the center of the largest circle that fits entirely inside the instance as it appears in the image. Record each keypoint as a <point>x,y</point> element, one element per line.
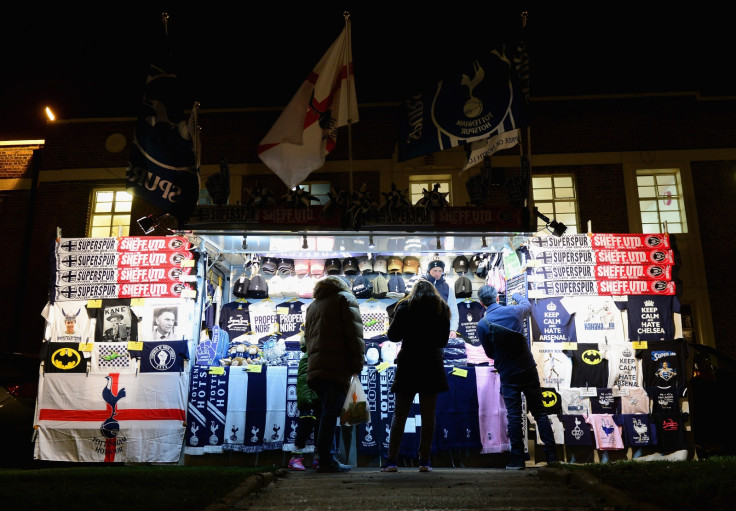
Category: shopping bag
<point>355,410</point>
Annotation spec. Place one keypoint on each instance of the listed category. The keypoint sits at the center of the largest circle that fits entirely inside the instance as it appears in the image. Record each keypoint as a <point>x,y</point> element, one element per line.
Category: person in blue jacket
<point>501,333</point>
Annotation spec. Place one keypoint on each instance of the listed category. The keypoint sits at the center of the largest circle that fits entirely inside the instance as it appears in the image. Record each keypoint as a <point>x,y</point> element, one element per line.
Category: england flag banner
<point>123,244</point>
<point>111,418</point>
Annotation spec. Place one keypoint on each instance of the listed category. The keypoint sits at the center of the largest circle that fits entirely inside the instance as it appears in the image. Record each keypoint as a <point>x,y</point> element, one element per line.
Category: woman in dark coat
<point>421,322</point>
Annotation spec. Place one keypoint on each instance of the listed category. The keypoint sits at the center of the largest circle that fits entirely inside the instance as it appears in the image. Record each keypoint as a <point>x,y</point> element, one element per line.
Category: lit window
<point>110,213</point>
<point>418,185</point>
<point>204,197</point>
<point>660,201</point>
<point>554,197</point>
<point>319,190</point>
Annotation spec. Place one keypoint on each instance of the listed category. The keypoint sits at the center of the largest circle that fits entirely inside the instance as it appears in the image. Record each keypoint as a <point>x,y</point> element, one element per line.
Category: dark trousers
<point>526,382</point>
<point>427,406</point>
<point>331,396</point>
<point>308,422</point>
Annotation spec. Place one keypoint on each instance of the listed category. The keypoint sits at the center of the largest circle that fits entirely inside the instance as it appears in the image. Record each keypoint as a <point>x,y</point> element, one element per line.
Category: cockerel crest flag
<point>163,167</point>
<point>306,131</point>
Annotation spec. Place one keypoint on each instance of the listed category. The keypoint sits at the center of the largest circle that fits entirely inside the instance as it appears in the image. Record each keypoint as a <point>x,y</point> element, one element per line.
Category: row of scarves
<point>239,409</point>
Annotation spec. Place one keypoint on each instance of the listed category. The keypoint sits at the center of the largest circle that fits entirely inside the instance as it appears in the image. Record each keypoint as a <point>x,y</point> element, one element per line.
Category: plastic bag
<point>355,409</point>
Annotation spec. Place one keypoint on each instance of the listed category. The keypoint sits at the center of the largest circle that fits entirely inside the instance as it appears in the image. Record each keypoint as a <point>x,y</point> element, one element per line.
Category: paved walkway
<point>455,489</point>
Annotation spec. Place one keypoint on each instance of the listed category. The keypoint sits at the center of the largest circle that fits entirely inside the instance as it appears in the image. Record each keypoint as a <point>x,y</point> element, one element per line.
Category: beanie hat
<point>436,263</point>
<point>362,287</point>
<point>258,287</point>
<point>380,286</point>
<point>240,288</point>
<point>463,287</point>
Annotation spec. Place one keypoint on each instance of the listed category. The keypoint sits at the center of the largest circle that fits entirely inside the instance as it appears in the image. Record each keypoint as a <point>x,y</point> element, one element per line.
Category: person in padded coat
<point>421,322</point>
<point>333,331</point>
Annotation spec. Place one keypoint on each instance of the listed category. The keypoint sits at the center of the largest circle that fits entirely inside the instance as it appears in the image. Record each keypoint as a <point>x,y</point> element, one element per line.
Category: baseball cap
<point>362,287</point>
<point>395,263</point>
<point>411,264</point>
<point>380,286</point>
<point>316,267</point>
<point>460,264</point>
<point>286,266</point>
<point>380,264</point>
<point>463,287</point>
<point>372,353</point>
<point>350,266</point>
<point>301,266</point>
<point>269,265</point>
<point>333,267</point>
<point>365,265</point>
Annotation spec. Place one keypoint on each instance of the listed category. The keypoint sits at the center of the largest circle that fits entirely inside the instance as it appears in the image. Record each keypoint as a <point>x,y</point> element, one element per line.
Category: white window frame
<point>557,202</point>
<point>664,202</point>
<point>99,226</point>
<point>309,186</point>
<point>418,183</point>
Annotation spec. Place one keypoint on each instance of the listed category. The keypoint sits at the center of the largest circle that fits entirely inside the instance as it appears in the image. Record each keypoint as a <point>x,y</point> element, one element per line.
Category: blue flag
<point>163,168</point>
<point>484,99</point>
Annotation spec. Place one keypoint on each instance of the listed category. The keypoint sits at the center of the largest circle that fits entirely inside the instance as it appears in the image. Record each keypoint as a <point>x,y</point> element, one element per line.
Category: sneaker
<point>390,466</point>
<point>333,466</point>
<point>425,466</point>
<point>515,464</point>
<point>315,462</point>
<point>296,463</point>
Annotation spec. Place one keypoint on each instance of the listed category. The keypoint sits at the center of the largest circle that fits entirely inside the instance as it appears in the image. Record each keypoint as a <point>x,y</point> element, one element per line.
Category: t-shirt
<point>68,321</point>
<point>597,318</point>
<point>470,312</point>
<point>606,432</point>
<point>664,399</point>
<point>634,400</point>
<point>573,403</point>
<point>605,402</point>
<point>637,431</point>
<point>551,321</point>
<point>589,365</point>
<point>291,317</point>
<point>624,369</point>
<point>115,321</point>
<point>553,365</point>
<point>577,431</point>
<point>650,317</point>
<point>375,318</point>
<point>235,318</point>
<point>263,318</point>
<point>663,363</point>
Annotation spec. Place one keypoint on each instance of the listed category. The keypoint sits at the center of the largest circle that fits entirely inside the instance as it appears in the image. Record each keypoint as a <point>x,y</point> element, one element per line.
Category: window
<point>554,196</point>
<point>319,190</point>
<point>204,197</point>
<point>660,200</point>
<point>110,213</point>
<point>417,185</point>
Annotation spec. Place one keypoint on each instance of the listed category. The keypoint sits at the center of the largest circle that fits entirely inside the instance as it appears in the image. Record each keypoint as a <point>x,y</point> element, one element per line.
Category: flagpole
<point>346,14</point>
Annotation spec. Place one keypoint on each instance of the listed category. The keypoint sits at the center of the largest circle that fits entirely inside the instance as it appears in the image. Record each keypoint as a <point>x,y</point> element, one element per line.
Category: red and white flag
<point>111,418</point>
<point>306,131</point>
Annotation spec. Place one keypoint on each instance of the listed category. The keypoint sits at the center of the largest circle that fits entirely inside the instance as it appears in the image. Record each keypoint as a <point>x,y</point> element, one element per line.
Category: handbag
<point>355,409</point>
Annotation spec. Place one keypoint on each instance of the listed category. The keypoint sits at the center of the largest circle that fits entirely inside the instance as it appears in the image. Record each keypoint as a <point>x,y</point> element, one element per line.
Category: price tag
<point>137,302</point>
<point>588,392</point>
<point>217,370</point>
<point>86,346</point>
<point>135,346</point>
<point>569,346</point>
<point>639,345</point>
<point>254,368</point>
<point>187,263</point>
<point>94,304</point>
<point>456,371</point>
<point>382,367</point>
<point>189,293</point>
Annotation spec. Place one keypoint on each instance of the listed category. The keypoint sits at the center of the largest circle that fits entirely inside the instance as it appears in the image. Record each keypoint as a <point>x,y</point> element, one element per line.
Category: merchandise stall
<point>604,321</point>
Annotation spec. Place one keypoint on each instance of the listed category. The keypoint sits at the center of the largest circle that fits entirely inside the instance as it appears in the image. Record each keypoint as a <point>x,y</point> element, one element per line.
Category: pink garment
<point>491,412</point>
<point>607,434</point>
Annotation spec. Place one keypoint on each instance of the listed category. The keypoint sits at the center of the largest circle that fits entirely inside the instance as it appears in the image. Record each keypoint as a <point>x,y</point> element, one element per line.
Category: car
<point>18,391</point>
<point>712,384</point>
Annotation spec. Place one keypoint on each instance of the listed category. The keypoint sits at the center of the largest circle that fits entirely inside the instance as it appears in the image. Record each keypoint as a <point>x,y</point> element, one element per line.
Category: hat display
<point>460,264</point>
<point>380,286</point>
<point>333,267</point>
<point>316,267</point>
<point>269,265</point>
<point>395,264</point>
<point>365,265</point>
<point>380,265</point>
<point>350,266</point>
<point>411,264</point>
<point>362,287</point>
<point>463,287</point>
<point>301,266</point>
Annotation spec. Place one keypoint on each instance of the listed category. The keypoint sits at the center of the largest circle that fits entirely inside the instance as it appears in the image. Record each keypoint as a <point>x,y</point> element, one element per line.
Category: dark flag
<point>484,101</point>
<point>164,159</point>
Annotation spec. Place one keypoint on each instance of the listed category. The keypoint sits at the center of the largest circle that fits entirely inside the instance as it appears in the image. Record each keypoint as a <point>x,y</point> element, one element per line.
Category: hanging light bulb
<point>439,245</point>
<point>370,242</point>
